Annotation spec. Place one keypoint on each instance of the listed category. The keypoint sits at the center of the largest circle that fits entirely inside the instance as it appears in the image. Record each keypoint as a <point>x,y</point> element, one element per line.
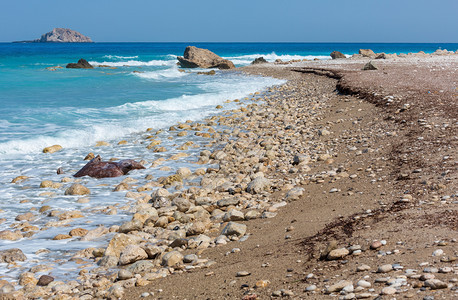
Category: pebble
<point>385,268</point>
<point>364,284</point>
<point>242,274</point>
<point>388,291</point>
<point>311,288</point>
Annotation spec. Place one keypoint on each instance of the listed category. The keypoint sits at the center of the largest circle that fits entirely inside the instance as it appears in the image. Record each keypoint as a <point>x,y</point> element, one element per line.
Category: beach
<point>339,182</point>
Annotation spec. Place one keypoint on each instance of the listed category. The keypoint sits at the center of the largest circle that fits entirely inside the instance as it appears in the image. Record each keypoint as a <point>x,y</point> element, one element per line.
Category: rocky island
<point>61,35</point>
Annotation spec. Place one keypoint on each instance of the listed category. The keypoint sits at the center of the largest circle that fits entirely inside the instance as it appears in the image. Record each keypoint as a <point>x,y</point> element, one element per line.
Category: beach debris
<point>259,60</point>
<point>369,66</point>
<point>194,57</point>
<point>337,54</point>
<point>52,149</point>
<point>101,169</point>
<point>81,64</point>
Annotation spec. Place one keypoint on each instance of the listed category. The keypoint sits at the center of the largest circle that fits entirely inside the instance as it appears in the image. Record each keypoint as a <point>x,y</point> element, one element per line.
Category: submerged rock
<point>81,64</point>
<point>11,255</point>
<point>194,57</point>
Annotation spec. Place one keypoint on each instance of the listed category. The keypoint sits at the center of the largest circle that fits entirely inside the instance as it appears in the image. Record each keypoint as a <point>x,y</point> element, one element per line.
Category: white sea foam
<point>119,57</point>
<point>162,74</point>
<point>134,63</point>
<point>271,57</point>
<point>137,116</point>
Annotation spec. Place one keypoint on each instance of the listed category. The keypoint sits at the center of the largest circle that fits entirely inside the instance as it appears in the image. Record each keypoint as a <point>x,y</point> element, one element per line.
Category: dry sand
<point>390,176</point>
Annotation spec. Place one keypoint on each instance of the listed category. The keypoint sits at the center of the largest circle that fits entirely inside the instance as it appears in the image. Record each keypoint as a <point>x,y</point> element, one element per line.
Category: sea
<point>139,88</point>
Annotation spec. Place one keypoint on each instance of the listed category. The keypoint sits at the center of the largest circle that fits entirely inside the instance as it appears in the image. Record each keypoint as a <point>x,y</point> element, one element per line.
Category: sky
<point>411,21</point>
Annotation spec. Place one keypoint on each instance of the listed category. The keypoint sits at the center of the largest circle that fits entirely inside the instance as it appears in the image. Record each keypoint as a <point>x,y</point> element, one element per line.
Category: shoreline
<point>253,160</point>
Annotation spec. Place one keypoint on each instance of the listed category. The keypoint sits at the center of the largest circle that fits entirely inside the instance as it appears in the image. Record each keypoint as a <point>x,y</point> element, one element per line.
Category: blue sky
<point>236,20</point>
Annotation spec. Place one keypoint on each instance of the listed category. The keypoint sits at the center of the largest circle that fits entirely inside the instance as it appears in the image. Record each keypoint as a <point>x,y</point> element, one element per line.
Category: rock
<point>52,149</point>
<point>108,261</point>
<point>118,243</point>
<point>196,228</point>
<point>242,274</point>
<point>24,217</point>
<point>133,225</point>
<point>376,245</point>
<point>184,172</point>
<point>94,233</point>
<point>125,274</point>
<point>337,54</point>
<point>364,284</point>
<point>338,286</point>
<point>62,35</point>
<point>388,291</point>
<point>19,179</point>
<point>258,185</point>
<point>228,201</point>
<point>367,53</point>
<point>100,169</point>
<point>311,288</point>
<point>78,232</point>
<point>77,189</point>
<point>81,64</point>
<point>369,66</point>
<point>233,215</point>
<point>233,228</point>
<point>338,253</point>
<point>385,268</point>
<point>194,57</point>
<point>10,235</point>
<point>435,284</point>
<point>131,254</point>
<point>27,278</point>
<point>190,258</point>
<point>182,204</point>
<point>172,258</point>
<point>294,193</point>
<point>259,60</point>
<point>12,255</point>
<point>44,280</point>
<point>62,237</point>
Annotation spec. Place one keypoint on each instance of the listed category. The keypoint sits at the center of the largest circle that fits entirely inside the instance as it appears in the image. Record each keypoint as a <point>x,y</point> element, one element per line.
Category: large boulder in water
<point>194,57</point>
<point>81,64</point>
<point>101,169</point>
<point>337,54</point>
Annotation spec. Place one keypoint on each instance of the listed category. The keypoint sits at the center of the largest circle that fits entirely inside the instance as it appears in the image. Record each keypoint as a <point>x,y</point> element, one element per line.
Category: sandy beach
<point>340,183</point>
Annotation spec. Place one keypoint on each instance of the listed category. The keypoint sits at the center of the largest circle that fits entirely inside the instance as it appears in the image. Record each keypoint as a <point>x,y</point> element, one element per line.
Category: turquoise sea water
<point>141,88</point>
<point>39,106</point>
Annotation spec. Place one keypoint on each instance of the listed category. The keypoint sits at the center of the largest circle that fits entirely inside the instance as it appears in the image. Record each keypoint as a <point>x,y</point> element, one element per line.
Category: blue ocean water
<point>39,106</point>
<point>139,87</point>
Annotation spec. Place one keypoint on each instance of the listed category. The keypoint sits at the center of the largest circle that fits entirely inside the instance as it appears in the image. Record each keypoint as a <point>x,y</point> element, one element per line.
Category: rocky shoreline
<point>308,194</point>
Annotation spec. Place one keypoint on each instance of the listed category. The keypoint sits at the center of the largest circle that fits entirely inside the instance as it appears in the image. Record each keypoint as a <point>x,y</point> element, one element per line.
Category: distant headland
<point>61,35</point>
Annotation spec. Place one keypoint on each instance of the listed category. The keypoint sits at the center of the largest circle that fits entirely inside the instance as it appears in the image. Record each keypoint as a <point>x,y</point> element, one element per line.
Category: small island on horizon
<point>60,35</point>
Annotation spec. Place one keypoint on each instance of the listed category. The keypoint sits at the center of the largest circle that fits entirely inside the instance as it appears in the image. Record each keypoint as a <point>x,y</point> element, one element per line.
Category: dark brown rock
<point>81,64</point>
<point>194,57</point>
<point>337,54</point>
<point>259,60</point>
<point>101,169</point>
<point>44,280</point>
